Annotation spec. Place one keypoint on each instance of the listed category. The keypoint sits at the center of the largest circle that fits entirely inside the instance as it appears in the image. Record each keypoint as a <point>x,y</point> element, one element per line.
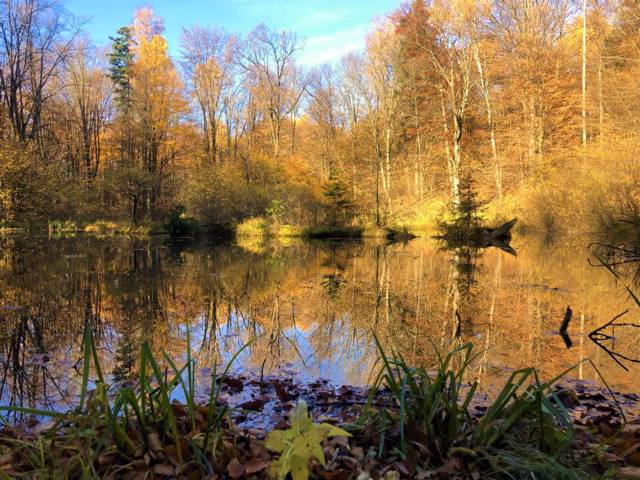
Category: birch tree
<point>89,95</point>
<point>383,105</point>
<point>452,60</point>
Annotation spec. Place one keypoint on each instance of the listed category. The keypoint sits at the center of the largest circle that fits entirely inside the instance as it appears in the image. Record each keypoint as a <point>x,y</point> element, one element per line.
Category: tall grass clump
<point>430,420</point>
<point>136,428</point>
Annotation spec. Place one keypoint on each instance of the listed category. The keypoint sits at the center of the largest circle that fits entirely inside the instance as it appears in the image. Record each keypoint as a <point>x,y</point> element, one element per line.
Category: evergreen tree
<point>120,73</point>
<point>468,213</point>
<point>120,64</point>
<point>337,202</point>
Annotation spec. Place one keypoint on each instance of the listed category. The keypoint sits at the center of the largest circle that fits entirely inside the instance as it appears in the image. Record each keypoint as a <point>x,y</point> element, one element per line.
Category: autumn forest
<point>530,104</point>
<point>226,253</point>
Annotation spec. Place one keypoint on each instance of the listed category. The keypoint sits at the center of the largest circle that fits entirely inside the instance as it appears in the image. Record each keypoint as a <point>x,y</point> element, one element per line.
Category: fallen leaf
<point>235,469</point>
<point>450,466</point>
<point>107,458</point>
<point>155,445</point>
<point>255,405</point>
<point>628,473</point>
<point>256,465</point>
<point>164,469</point>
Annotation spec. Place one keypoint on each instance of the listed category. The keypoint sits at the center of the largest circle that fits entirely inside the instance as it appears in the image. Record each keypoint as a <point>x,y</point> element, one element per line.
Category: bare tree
<point>207,63</point>
<point>352,105</point>
<point>383,105</point>
<point>438,37</point>
<point>324,110</point>
<point>236,106</point>
<point>452,60</point>
<point>88,92</point>
<point>35,39</point>
<point>270,57</point>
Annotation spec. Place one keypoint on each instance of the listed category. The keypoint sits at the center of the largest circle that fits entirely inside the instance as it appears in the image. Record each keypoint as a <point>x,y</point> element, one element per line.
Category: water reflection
<point>309,308</point>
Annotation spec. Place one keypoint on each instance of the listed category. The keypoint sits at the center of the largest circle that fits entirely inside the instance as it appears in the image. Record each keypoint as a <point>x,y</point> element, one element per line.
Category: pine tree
<point>337,202</point>
<point>120,64</point>
<point>468,213</point>
<point>120,72</point>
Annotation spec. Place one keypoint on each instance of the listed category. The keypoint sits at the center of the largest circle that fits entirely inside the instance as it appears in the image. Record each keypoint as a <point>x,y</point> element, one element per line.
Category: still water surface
<point>310,308</point>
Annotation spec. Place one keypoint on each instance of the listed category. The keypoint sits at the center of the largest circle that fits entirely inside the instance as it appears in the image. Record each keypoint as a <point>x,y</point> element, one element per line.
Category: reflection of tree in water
<point>313,306</point>
<point>333,281</point>
<point>117,288</point>
<point>621,261</point>
<point>40,322</point>
<point>20,383</point>
<point>461,292</point>
<point>622,350</point>
<point>624,260</point>
<point>332,284</point>
<point>140,291</point>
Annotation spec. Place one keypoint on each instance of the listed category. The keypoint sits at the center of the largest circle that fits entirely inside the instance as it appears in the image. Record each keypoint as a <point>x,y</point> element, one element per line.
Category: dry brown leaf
<point>450,466</point>
<point>337,475</point>
<point>155,445</point>
<point>107,458</point>
<point>235,469</point>
<point>164,469</point>
<point>256,465</point>
<point>628,473</point>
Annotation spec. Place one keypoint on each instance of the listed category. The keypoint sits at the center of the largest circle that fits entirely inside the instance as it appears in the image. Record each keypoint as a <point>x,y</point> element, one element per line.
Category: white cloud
<point>330,48</point>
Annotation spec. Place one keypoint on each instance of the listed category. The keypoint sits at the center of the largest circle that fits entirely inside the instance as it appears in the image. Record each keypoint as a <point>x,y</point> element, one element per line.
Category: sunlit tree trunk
<point>584,73</point>
<point>454,180</point>
<point>600,100</point>
<point>484,87</point>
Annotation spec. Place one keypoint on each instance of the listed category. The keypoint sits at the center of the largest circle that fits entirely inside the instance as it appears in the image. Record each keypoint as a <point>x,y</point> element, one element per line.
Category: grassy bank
<point>259,229</point>
<point>176,224</point>
<point>416,423</point>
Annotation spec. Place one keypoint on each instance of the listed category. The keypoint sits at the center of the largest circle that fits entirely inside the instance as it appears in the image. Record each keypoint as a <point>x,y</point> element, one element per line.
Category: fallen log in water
<point>481,237</point>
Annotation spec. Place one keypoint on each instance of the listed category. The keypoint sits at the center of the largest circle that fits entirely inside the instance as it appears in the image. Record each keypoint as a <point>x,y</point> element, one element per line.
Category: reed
<point>428,418</point>
<point>109,430</point>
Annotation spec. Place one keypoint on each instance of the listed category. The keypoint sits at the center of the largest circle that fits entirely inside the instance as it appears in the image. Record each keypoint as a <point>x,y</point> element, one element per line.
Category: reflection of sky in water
<point>341,361</point>
<point>309,308</point>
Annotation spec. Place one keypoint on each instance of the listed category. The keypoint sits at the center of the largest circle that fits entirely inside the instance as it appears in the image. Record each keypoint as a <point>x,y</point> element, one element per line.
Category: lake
<point>310,309</point>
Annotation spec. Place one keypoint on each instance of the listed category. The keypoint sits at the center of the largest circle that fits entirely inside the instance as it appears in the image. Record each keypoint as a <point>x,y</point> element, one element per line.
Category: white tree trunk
<point>492,131</point>
<point>584,73</point>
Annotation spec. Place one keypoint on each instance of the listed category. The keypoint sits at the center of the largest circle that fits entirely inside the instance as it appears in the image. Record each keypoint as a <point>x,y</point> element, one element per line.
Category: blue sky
<point>331,28</point>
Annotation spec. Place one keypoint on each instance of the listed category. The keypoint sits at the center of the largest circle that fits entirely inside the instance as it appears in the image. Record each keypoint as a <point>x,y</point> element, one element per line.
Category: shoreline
<point>258,406</point>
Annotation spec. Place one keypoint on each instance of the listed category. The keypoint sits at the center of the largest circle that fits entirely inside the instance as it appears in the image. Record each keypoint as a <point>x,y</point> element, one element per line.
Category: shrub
<point>227,195</point>
<point>58,227</point>
<point>253,227</point>
<point>180,225</point>
<point>289,231</point>
<point>104,227</point>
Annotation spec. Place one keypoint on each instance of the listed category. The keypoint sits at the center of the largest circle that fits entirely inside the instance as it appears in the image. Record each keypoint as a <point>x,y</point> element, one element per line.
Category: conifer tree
<point>337,202</point>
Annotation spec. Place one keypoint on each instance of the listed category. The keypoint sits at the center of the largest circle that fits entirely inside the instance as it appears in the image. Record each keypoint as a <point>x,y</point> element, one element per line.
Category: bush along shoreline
<point>413,423</point>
